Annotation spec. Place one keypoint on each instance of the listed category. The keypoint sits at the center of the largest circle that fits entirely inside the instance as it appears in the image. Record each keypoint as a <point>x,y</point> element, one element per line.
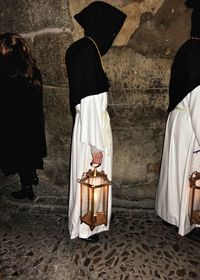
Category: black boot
<point>25,192</point>
<point>194,234</point>
<point>93,238</point>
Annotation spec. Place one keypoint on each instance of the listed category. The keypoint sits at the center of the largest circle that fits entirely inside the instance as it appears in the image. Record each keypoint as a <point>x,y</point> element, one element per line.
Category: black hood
<point>195,19</point>
<point>185,74</point>
<point>102,22</point>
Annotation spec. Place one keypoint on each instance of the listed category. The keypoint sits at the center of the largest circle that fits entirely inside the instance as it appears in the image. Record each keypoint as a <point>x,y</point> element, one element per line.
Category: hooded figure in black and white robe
<point>88,87</point>
<point>181,152</point>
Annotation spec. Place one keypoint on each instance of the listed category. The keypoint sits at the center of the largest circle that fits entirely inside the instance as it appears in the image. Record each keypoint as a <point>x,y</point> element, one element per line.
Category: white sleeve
<point>94,150</point>
<point>194,107</point>
<point>91,111</point>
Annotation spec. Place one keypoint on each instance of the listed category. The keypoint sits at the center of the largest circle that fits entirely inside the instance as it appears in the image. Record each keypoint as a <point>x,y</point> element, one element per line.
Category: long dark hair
<point>20,57</point>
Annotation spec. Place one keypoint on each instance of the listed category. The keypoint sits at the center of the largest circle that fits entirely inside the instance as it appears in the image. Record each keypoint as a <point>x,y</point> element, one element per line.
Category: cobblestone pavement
<point>35,244</point>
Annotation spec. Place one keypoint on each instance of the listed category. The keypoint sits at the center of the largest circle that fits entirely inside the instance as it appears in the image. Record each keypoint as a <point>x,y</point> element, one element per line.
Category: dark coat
<point>22,132</point>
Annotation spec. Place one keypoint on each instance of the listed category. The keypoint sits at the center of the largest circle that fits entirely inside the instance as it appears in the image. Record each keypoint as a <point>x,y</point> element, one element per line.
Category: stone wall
<point>138,66</point>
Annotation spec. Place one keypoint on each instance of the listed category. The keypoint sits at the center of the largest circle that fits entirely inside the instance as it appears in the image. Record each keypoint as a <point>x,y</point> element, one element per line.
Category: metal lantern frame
<point>195,214</point>
<point>87,183</point>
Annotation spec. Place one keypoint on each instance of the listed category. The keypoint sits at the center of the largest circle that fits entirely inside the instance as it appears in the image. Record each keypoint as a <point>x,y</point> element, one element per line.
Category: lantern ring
<point>93,164</point>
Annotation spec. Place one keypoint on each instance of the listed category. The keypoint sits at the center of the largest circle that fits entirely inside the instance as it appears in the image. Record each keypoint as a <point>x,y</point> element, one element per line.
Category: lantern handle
<point>93,164</point>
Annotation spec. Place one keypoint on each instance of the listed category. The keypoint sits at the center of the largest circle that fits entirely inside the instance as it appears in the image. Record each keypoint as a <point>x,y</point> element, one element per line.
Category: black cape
<point>101,22</point>
<point>185,72</point>
<point>22,140</point>
<point>85,73</point>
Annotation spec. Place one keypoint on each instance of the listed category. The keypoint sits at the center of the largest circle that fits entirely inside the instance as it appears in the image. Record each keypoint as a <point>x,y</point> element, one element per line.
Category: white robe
<point>91,129</point>
<point>182,139</point>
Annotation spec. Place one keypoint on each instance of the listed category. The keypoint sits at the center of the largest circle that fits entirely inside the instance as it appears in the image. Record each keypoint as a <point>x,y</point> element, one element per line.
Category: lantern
<point>94,190</point>
<point>195,186</point>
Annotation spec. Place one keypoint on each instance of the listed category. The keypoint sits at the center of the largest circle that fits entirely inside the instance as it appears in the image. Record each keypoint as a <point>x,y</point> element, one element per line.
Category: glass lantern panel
<point>196,205</point>
<point>93,199</point>
<point>98,200</point>
<point>86,196</point>
<point>196,198</point>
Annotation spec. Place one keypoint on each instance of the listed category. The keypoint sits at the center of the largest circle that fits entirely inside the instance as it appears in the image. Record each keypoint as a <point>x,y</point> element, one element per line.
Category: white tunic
<point>91,129</point>
<point>179,160</point>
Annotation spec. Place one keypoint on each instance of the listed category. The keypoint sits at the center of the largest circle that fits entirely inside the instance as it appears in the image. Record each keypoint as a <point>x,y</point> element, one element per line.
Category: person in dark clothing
<point>22,141</point>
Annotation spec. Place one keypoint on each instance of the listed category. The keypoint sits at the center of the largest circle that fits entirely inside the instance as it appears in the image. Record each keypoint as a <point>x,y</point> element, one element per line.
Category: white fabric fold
<point>91,131</point>
<point>182,138</point>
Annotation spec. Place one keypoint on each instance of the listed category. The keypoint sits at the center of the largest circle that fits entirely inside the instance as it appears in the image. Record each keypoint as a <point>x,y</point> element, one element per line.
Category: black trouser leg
<point>27,178</point>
